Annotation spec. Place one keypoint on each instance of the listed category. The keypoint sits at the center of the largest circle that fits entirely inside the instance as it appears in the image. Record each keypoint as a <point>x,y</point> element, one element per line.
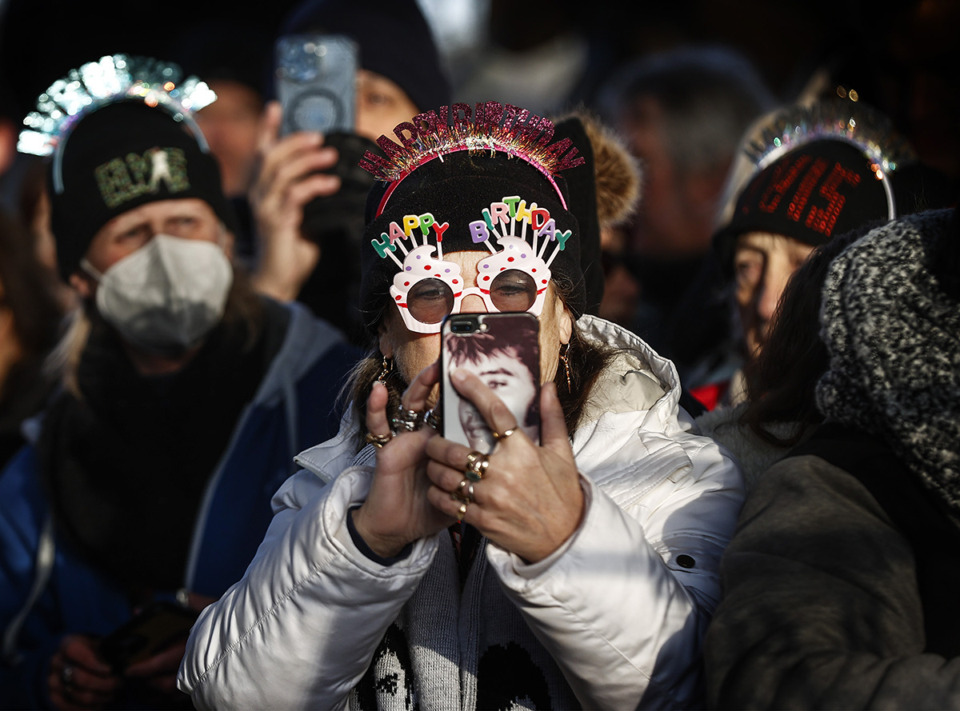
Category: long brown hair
<point>782,379</point>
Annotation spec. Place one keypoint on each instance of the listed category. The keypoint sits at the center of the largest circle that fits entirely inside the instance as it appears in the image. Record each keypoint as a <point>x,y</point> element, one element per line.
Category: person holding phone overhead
<point>385,580</point>
<point>308,198</point>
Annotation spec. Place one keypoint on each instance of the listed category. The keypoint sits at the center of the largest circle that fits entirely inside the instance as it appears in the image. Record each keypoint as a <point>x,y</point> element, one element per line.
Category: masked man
<point>185,397</point>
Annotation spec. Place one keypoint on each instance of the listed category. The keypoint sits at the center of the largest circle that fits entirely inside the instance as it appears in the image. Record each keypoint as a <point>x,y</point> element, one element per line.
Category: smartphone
<point>316,80</point>
<point>154,628</point>
<point>503,349</point>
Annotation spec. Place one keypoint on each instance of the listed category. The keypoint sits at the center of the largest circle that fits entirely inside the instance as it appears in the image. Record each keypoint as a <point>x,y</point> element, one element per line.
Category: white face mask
<point>167,295</point>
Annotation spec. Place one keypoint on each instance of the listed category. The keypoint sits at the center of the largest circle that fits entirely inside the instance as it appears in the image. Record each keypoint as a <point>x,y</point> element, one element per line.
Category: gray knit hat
<point>890,319</point>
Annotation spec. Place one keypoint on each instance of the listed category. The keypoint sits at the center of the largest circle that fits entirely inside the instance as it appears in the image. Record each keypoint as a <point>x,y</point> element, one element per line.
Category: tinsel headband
<point>488,126</point>
<point>817,171</point>
<point>96,84</point>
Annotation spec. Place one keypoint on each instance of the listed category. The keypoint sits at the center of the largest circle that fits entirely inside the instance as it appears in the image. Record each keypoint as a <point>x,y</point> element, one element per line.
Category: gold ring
<point>377,440</point>
<point>477,464</point>
<point>507,433</point>
<point>464,491</point>
<point>462,511</point>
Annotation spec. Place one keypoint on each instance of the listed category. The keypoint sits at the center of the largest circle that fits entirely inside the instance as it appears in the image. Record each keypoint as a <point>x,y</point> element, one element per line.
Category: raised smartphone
<point>503,350</point>
<point>316,77</point>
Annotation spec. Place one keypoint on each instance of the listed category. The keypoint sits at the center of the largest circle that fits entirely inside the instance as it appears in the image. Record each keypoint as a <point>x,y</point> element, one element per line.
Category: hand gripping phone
<point>503,350</point>
<point>157,626</point>
<point>316,77</point>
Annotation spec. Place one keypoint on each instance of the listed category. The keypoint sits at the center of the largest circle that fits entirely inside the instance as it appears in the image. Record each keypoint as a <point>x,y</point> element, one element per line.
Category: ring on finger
<point>461,511</point>
<point>377,440</point>
<point>505,434</point>
<point>408,420</point>
<point>477,464</point>
<point>433,419</point>
<point>66,675</point>
<point>464,492</point>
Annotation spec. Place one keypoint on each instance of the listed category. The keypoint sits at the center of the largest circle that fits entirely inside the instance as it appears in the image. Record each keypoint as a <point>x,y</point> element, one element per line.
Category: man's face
<point>512,382</point>
<point>231,125</point>
<point>189,218</point>
<point>381,105</point>
<point>763,263</point>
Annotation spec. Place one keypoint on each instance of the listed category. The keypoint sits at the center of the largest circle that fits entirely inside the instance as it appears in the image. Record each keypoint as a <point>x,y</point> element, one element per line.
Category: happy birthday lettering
<point>445,129</point>
<point>395,232</point>
<point>508,212</point>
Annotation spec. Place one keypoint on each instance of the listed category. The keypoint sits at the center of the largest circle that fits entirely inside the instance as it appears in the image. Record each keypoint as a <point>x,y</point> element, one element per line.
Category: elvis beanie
<point>118,157</point>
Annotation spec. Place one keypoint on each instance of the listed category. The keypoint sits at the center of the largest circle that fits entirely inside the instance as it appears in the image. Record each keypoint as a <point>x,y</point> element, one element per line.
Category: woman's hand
<point>397,511</point>
<point>529,500</point>
<point>78,678</point>
<point>286,182</point>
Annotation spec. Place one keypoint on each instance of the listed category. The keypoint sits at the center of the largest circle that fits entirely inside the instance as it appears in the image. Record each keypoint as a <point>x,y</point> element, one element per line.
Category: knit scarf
<point>126,465</point>
<point>893,335</point>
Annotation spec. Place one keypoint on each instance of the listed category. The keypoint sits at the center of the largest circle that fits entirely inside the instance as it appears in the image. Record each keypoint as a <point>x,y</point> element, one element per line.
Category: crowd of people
<point>248,461</point>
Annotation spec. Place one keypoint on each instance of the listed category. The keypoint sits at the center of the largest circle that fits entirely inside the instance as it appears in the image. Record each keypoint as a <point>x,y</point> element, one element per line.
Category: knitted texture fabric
<point>893,335</point>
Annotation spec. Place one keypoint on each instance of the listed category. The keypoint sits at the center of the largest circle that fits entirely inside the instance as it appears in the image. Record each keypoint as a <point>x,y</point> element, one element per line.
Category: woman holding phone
<point>404,570</point>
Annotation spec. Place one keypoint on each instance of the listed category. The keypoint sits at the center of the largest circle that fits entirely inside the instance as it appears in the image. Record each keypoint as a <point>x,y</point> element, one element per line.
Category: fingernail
<point>459,375</point>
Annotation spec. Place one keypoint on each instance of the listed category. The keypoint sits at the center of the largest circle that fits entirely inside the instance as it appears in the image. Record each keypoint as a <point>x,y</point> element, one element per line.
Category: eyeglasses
<point>425,303</point>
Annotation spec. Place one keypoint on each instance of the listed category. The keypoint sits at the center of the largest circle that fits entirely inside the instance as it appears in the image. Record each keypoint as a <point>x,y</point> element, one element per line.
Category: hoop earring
<point>565,360</point>
<point>386,367</point>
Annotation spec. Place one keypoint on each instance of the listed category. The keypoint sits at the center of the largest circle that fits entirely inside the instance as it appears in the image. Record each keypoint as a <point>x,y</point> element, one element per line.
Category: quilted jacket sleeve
<point>275,639</point>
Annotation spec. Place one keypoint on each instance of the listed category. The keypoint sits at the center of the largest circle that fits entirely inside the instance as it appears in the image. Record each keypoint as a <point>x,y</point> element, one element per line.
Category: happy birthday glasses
<point>513,278</point>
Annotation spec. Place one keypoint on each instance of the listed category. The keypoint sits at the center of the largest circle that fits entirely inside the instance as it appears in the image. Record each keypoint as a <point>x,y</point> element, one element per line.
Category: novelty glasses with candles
<point>513,278</point>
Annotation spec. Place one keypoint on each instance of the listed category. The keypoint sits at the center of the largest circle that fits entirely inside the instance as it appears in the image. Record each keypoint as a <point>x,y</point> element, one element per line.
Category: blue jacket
<point>47,591</point>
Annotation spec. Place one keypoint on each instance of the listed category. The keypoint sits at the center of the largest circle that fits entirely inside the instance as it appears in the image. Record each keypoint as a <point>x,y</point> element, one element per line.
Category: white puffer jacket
<point>620,609</point>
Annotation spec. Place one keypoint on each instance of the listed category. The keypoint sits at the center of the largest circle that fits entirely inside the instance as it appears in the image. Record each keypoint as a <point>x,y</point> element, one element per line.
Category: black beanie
<point>119,157</point>
<point>462,189</point>
<point>394,37</point>
<point>823,188</point>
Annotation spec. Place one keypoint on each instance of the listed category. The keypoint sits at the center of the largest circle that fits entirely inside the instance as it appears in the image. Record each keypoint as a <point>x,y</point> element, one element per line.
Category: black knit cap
<point>394,37</point>
<point>824,188</point>
<point>118,157</point>
<point>456,190</point>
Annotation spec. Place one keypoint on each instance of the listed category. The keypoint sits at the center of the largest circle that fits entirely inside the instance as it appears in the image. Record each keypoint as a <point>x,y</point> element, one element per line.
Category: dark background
<point>902,56</point>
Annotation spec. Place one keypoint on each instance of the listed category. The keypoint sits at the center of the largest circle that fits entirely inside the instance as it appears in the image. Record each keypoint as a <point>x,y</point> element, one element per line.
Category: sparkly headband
<point>857,124</point>
<point>94,85</point>
<point>489,126</point>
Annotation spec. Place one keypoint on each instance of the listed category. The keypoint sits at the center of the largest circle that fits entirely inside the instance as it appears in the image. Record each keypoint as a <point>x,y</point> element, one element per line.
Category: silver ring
<point>432,418</point>
<point>66,675</point>
<point>408,420</point>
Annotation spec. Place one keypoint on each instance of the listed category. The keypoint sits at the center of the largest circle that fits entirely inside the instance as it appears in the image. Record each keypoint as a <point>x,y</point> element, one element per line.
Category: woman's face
<point>763,263</point>
<point>412,352</point>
